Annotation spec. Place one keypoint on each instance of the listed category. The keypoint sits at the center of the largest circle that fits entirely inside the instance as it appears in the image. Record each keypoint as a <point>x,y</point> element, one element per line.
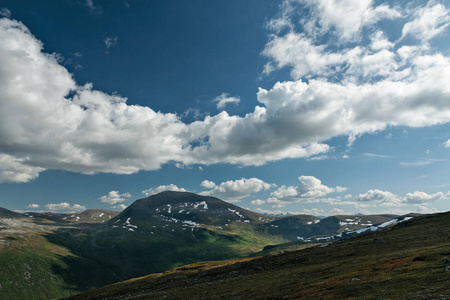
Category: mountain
<point>88,216</point>
<point>171,229</point>
<point>61,254</point>
<point>4,213</point>
<point>407,260</point>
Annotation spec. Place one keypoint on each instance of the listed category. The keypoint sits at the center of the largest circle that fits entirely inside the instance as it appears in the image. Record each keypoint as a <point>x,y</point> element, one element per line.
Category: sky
<point>319,107</point>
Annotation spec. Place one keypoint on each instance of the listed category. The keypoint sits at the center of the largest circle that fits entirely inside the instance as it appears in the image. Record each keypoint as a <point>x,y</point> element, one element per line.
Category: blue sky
<point>317,107</point>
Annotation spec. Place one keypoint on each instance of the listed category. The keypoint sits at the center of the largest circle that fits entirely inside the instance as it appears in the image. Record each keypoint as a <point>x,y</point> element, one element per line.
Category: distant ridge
<point>5,213</point>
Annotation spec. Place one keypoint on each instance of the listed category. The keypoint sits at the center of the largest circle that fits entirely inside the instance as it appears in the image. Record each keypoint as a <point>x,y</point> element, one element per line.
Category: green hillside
<point>406,261</point>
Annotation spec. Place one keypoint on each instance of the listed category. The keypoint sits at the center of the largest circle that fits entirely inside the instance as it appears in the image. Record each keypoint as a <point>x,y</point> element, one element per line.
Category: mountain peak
<point>183,209</point>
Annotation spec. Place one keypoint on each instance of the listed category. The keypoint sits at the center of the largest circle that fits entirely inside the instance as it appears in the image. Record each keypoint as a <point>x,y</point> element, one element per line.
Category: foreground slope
<point>407,261</point>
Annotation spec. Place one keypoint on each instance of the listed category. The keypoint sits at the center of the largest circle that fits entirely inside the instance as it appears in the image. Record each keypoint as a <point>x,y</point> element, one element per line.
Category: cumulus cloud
<point>47,121</point>
<point>14,169</point>
<point>356,89</point>
<point>64,206</point>
<point>447,144</point>
<point>33,205</point>
<point>163,188</point>
<point>422,197</point>
<point>224,99</point>
<point>309,188</point>
<point>235,190</point>
<point>207,184</point>
<point>114,197</point>
<point>345,19</point>
<point>120,206</point>
<point>385,198</point>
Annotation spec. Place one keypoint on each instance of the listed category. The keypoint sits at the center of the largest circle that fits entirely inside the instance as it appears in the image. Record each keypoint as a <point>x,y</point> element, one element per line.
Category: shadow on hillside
<point>77,272</point>
<point>81,274</point>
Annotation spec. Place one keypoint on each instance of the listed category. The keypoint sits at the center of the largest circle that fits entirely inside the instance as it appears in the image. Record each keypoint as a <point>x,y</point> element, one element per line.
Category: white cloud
<point>426,210</point>
<point>207,184</point>
<point>34,205</point>
<point>309,190</point>
<point>163,188</point>
<point>310,187</point>
<point>120,206</point>
<point>224,99</point>
<point>380,41</point>
<point>64,206</point>
<point>258,202</point>
<point>78,207</point>
<point>422,197</point>
<point>14,169</point>
<point>375,198</point>
<point>4,12</point>
<point>47,121</point>
<point>447,144</point>
<point>378,196</point>
<point>236,190</point>
<point>113,197</point>
<point>428,21</point>
<point>345,19</point>
<point>385,198</point>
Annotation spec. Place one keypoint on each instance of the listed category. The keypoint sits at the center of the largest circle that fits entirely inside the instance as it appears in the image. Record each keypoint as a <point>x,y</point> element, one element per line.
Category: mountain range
<point>410,260</point>
<point>48,255</point>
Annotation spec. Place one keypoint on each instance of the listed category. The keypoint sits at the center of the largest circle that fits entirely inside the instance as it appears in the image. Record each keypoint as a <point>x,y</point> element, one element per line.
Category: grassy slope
<point>31,267</point>
<point>130,254</point>
<point>406,261</point>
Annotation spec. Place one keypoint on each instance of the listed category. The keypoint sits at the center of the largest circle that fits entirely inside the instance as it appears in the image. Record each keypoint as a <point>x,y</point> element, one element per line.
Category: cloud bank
<point>338,88</point>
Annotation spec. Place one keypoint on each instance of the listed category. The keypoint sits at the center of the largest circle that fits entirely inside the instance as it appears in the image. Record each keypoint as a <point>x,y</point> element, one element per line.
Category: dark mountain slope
<point>5,213</point>
<point>184,207</point>
<point>406,261</point>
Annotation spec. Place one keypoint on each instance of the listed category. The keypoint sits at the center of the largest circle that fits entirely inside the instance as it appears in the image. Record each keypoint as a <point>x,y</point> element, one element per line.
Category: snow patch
<point>388,223</point>
<point>197,204</point>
